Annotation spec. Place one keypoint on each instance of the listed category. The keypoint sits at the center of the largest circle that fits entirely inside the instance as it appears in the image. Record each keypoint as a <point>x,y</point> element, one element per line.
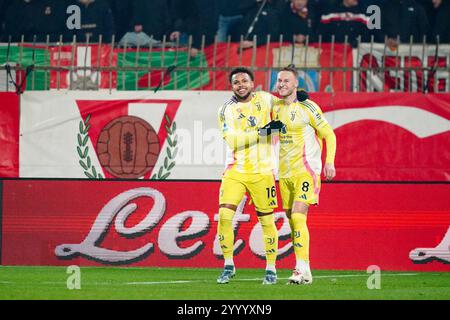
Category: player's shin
<point>270,234</point>
<point>300,237</point>
<point>225,233</point>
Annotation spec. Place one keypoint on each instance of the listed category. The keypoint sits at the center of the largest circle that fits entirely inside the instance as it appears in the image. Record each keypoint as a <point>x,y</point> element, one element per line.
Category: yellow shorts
<point>304,188</point>
<point>260,187</point>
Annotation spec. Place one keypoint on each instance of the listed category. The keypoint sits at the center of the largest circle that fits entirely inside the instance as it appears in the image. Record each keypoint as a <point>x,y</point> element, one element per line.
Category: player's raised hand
<point>302,95</point>
<point>329,171</point>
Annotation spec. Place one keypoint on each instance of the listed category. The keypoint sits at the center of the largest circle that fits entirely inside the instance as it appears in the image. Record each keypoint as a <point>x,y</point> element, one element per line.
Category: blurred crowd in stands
<point>151,21</point>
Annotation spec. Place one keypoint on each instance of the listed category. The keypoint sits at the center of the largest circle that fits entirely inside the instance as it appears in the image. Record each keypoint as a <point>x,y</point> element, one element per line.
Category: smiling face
<point>287,84</point>
<point>242,86</point>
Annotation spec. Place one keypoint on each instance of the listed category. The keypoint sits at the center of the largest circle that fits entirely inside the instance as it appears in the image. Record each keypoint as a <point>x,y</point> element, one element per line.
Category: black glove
<point>272,126</point>
<point>302,95</point>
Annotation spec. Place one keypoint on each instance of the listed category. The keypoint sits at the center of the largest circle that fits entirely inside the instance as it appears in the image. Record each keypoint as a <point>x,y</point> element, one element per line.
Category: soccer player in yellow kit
<point>250,169</point>
<point>300,164</point>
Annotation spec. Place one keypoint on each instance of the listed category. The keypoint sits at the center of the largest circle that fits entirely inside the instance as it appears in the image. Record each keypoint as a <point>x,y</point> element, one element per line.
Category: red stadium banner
<point>380,136</point>
<point>390,136</point>
<point>173,224</point>
<point>9,134</point>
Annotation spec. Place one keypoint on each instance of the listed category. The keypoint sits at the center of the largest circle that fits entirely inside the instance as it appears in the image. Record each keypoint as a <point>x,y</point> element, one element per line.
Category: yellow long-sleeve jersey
<point>239,123</point>
<point>301,145</point>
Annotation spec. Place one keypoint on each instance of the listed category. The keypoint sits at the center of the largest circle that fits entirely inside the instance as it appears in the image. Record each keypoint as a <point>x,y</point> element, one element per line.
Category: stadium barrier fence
<point>158,65</point>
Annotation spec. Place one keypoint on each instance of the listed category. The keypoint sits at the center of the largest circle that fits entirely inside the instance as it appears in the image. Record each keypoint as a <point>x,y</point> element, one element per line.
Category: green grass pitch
<point>200,284</point>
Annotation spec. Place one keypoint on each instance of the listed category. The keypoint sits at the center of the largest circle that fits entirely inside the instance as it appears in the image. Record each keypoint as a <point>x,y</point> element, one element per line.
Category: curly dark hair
<point>241,70</point>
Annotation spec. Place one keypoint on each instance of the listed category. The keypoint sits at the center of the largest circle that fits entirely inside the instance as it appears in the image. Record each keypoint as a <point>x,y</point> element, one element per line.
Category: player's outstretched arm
<point>239,140</point>
<point>327,133</point>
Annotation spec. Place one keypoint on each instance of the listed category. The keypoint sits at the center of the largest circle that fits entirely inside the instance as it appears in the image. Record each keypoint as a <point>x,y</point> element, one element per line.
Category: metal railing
<point>165,65</point>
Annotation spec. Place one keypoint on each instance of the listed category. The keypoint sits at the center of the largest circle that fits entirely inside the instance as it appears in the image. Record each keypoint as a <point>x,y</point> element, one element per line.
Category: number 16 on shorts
<point>272,196</point>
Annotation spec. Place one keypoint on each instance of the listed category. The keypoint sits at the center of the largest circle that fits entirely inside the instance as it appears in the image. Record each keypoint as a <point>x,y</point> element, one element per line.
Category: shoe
<point>299,277</point>
<point>439,253</point>
<point>270,277</point>
<point>227,274</point>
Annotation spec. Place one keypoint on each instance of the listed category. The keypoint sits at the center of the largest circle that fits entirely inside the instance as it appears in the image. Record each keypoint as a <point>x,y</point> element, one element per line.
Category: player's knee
<point>300,207</point>
<point>226,213</point>
<point>228,206</point>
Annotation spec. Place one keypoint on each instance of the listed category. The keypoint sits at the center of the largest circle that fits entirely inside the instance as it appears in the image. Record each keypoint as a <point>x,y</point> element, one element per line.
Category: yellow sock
<point>300,236</point>
<point>225,232</point>
<point>270,234</point>
<point>292,230</point>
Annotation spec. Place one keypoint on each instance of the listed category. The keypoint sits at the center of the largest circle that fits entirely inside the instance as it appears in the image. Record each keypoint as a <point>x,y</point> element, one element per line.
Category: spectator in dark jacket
<point>96,20</point>
<point>346,17</point>
<point>297,21</point>
<point>152,17</point>
<point>35,18</point>
<point>403,18</point>
<point>266,24</point>
<point>196,18</point>
<point>230,17</point>
<point>122,13</point>
<point>438,13</point>
<point>4,4</point>
<point>442,23</point>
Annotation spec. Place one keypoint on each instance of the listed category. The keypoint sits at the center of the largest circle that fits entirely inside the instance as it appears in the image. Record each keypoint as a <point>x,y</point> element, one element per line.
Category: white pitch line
<point>234,280</point>
<point>259,279</point>
<point>161,282</point>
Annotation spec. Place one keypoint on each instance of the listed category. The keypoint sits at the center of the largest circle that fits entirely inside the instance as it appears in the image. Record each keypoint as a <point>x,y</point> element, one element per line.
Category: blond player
<point>300,164</point>
<point>250,168</point>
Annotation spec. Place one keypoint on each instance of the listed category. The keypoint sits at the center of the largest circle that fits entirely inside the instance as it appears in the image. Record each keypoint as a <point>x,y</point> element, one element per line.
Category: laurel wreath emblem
<point>83,150</point>
<point>171,151</point>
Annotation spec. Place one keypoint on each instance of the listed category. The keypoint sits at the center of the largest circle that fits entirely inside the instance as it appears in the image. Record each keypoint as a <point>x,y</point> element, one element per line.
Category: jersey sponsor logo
<point>252,121</point>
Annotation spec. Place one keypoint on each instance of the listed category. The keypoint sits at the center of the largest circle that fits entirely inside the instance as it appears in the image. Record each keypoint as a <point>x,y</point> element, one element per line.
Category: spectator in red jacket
<point>345,18</point>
